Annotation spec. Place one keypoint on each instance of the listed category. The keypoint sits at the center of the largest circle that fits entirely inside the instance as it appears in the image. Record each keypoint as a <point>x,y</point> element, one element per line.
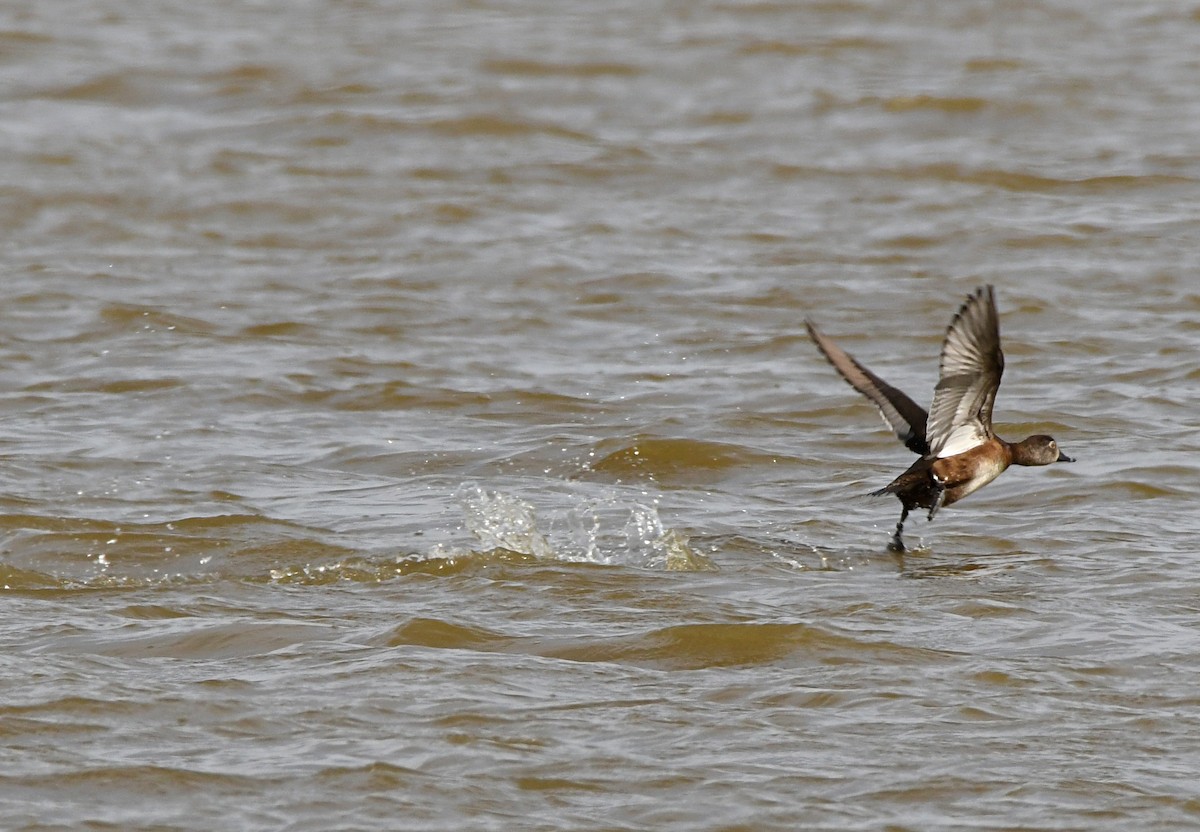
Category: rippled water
<point>407,422</point>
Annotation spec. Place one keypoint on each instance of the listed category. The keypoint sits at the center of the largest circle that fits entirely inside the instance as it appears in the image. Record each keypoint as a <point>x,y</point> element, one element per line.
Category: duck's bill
<point>1064,458</point>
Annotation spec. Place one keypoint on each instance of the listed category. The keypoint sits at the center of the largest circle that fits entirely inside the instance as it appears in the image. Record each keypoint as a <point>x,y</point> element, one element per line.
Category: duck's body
<point>960,452</point>
<point>958,476</point>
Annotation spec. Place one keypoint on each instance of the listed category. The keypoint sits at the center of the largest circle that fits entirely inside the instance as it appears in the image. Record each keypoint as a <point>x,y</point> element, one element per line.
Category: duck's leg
<point>938,500</point>
<point>897,544</point>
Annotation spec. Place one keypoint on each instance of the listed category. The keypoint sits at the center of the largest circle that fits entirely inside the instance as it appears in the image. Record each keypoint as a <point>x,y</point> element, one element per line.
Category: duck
<point>959,451</point>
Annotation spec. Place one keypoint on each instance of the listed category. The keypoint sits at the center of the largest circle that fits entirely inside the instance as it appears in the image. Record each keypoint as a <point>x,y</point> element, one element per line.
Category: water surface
<point>407,420</point>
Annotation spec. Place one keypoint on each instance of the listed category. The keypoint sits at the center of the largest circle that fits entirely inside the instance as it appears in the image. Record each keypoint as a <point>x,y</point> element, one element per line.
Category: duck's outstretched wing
<point>972,363</point>
<point>905,417</point>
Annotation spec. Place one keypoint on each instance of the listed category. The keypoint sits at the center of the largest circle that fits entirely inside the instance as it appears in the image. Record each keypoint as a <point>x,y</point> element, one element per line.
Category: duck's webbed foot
<point>897,544</point>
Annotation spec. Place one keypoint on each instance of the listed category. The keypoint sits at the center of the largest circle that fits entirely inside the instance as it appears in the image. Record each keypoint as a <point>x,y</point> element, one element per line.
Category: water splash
<point>501,521</point>
<point>608,530</point>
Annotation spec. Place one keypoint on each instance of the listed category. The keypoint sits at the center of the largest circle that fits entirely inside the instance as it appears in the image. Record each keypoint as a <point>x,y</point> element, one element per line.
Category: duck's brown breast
<point>966,473</point>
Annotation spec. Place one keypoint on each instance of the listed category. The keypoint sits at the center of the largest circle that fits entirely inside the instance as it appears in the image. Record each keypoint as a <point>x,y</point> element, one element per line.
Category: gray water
<point>407,421</point>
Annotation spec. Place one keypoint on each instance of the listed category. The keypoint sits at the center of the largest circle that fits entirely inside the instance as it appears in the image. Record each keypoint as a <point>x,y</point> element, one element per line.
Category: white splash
<point>608,530</point>
<point>501,521</point>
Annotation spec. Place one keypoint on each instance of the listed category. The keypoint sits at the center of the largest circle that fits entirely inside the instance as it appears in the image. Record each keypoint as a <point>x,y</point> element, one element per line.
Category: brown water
<point>406,420</point>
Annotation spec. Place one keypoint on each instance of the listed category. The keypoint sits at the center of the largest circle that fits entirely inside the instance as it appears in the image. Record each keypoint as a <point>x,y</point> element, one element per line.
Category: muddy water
<point>406,420</point>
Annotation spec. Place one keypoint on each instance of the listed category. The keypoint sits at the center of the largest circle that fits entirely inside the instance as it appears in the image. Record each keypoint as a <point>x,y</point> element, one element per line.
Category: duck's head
<point>1038,450</point>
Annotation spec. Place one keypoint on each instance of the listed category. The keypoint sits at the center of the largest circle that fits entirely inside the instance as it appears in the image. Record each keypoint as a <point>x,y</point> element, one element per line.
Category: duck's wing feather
<point>904,416</point>
<point>960,417</point>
